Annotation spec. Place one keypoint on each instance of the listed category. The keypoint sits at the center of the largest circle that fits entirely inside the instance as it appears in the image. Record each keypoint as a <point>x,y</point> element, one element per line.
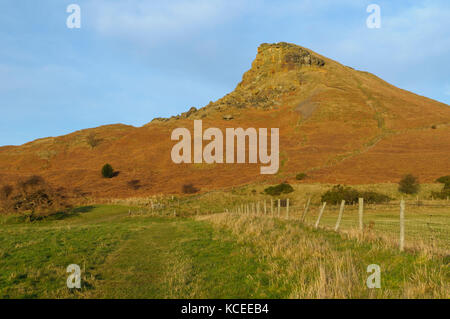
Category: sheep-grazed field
<point>126,252</point>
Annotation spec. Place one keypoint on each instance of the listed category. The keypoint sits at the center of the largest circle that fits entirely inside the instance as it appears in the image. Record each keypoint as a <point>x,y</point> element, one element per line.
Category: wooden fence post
<point>320,214</point>
<point>361,213</point>
<point>287,208</point>
<point>341,211</point>
<point>271,206</point>
<point>306,208</point>
<point>279,206</point>
<point>257,208</point>
<point>265,207</point>
<point>402,225</point>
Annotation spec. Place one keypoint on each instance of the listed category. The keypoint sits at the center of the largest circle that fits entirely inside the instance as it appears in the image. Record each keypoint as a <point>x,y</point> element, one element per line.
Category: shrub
<point>374,197</point>
<point>351,196</point>
<point>189,189</point>
<point>444,180</point>
<point>300,176</point>
<point>409,185</point>
<point>33,197</point>
<point>92,140</point>
<point>339,193</point>
<point>107,171</point>
<point>443,194</point>
<point>283,188</point>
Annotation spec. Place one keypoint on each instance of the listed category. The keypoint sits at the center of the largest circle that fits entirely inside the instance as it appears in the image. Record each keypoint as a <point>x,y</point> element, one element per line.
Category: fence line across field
<point>286,211</point>
<point>412,223</point>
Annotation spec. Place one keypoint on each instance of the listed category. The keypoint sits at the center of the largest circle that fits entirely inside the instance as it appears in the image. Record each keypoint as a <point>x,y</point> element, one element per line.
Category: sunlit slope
<point>336,123</point>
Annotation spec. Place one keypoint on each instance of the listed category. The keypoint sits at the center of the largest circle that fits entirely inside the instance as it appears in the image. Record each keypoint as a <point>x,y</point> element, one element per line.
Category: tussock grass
<point>308,263</point>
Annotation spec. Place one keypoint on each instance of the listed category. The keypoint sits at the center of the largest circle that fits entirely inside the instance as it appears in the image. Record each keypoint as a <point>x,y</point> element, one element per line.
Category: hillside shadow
<point>83,209</point>
<point>72,213</point>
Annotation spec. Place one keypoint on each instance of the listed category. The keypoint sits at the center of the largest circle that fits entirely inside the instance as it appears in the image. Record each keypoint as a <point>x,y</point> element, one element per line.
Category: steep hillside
<point>337,124</point>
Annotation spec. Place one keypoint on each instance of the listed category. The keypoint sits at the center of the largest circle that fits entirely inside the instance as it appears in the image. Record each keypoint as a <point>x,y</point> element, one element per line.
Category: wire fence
<point>425,226</point>
<point>426,223</point>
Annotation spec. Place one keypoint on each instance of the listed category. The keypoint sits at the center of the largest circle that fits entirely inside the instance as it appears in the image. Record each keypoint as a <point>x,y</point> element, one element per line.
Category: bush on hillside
<point>444,180</point>
<point>189,189</point>
<point>409,184</point>
<point>443,194</point>
<point>339,193</point>
<point>300,176</point>
<point>32,197</point>
<point>371,197</point>
<point>107,171</point>
<point>92,140</point>
<point>283,188</point>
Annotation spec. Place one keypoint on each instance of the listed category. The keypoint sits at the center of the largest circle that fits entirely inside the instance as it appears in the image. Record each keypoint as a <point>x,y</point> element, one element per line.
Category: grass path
<point>180,259</point>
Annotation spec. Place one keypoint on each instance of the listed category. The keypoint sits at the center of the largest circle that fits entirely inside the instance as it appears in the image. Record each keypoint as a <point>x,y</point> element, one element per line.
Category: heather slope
<point>336,123</point>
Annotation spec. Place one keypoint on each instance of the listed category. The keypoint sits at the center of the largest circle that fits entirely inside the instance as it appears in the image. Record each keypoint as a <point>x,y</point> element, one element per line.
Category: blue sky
<point>132,61</point>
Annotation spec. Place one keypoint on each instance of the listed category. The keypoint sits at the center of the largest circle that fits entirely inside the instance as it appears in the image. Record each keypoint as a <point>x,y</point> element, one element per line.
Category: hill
<point>337,124</point>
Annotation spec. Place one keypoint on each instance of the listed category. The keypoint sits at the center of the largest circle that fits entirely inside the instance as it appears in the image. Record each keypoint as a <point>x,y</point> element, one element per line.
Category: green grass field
<point>208,256</point>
